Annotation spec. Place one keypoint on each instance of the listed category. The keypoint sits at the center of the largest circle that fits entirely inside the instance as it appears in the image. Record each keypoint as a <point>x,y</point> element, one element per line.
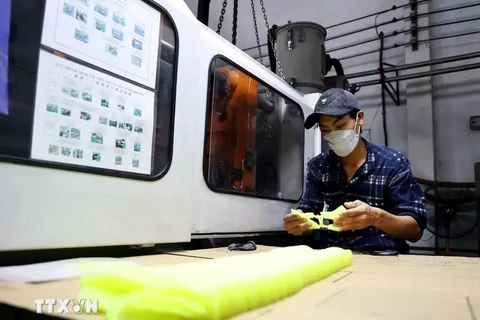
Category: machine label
<point>84,117</point>
<point>121,36</point>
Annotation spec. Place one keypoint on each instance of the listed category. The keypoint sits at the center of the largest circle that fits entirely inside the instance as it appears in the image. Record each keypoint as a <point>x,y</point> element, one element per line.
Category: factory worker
<point>385,204</point>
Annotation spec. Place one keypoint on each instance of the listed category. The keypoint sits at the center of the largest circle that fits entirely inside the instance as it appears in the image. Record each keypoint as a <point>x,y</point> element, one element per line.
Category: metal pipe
<point>408,43</point>
<point>420,75</point>
<point>445,184</point>
<point>260,56</point>
<point>203,11</point>
<point>397,45</point>
<point>373,14</point>
<point>254,47</point>
<point>396,33</point>
<point>394,20</point>
<point>354,20</point>
<point>416,65</point>
<point>382,81</point>
<point>413,248</point>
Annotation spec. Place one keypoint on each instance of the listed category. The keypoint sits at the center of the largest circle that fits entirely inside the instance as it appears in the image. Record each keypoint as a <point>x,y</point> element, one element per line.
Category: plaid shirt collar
<point>366,167</point>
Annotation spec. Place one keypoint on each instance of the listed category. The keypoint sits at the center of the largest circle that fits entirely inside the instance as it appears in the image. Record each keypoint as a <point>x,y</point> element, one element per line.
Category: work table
<point>387,287</point>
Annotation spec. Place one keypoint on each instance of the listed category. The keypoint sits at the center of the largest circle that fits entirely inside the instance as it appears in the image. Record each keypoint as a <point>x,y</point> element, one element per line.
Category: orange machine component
<point>231,133</point>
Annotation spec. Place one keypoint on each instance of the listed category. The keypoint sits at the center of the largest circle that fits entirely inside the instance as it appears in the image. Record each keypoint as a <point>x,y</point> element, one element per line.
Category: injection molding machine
<point>130,122</point>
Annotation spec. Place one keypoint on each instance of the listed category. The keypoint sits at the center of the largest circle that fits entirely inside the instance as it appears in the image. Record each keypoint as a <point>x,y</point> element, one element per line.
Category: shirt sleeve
<point>407,196</point>
<point>312,199</point>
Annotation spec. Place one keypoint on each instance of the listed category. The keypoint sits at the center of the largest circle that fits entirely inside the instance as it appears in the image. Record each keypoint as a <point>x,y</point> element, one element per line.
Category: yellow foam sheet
<point>211,289</point>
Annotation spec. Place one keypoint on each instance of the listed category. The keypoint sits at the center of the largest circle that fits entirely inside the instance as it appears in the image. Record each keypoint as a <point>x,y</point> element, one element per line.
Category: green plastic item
<point>211,289</point>
<point>322,221</point>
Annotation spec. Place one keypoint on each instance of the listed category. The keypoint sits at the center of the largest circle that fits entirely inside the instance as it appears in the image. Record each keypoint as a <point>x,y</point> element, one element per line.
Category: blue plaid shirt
<point>385,181</point>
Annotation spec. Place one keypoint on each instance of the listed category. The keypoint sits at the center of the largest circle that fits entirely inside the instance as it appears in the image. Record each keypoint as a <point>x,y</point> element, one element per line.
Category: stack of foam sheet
<point>211,289</point>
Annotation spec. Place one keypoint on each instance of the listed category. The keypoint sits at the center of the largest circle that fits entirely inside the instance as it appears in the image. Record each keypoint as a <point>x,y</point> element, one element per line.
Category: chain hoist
<point>234,30</point>
<point>222,14</point>
<point>234,24</point>
<point>270,39</point>
<point>254,14</point>
<point>235,18</point>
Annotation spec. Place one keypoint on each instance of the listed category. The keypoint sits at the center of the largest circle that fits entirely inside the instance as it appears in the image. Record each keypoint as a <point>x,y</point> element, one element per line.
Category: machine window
<point>254,139</point>
<point>88,86</point>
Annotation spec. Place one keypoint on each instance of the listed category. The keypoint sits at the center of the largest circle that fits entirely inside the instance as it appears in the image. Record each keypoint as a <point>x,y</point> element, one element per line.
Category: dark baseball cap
<point>333,102</point>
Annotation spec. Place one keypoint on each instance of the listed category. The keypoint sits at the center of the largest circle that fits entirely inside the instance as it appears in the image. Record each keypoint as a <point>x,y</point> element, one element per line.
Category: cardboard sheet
<point>418,265</point>
<point>218,252</point>
<point>22,295</point>
<point>63,269</point>
<point>75,268</point>
<point>361,296</point>
<point>163,259</point>
<point>403,288</point>
<point>363,302</point>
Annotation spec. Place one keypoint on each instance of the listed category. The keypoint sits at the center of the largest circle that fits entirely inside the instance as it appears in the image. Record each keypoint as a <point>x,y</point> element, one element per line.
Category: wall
<point>431,125</point>
<point>456,95</point>
<point>280,11</point>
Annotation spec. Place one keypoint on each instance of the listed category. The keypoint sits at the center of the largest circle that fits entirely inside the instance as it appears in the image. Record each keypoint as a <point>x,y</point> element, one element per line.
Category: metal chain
<point>256,31</point>
<point>234,24</point>
<point>271,41</point>
<point>222,13</point>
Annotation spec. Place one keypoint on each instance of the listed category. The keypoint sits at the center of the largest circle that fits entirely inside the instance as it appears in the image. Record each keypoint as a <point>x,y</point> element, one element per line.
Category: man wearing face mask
<point>385,204</point>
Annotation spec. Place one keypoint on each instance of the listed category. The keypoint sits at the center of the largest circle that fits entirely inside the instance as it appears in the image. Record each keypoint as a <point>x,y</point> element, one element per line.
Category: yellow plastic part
<point>325,219</point>
<point>211,289</point>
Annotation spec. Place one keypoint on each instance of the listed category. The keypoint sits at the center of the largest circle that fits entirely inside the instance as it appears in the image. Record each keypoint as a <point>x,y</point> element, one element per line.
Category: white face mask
<point>342,142</point>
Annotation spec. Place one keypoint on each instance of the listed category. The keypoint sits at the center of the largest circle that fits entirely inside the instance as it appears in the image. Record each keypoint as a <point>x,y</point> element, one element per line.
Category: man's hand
<point>359,215</point>
<point>296,225</point>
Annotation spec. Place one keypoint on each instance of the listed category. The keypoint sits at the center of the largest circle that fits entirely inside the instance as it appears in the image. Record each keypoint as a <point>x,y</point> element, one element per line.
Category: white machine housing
<point>43,208</point>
